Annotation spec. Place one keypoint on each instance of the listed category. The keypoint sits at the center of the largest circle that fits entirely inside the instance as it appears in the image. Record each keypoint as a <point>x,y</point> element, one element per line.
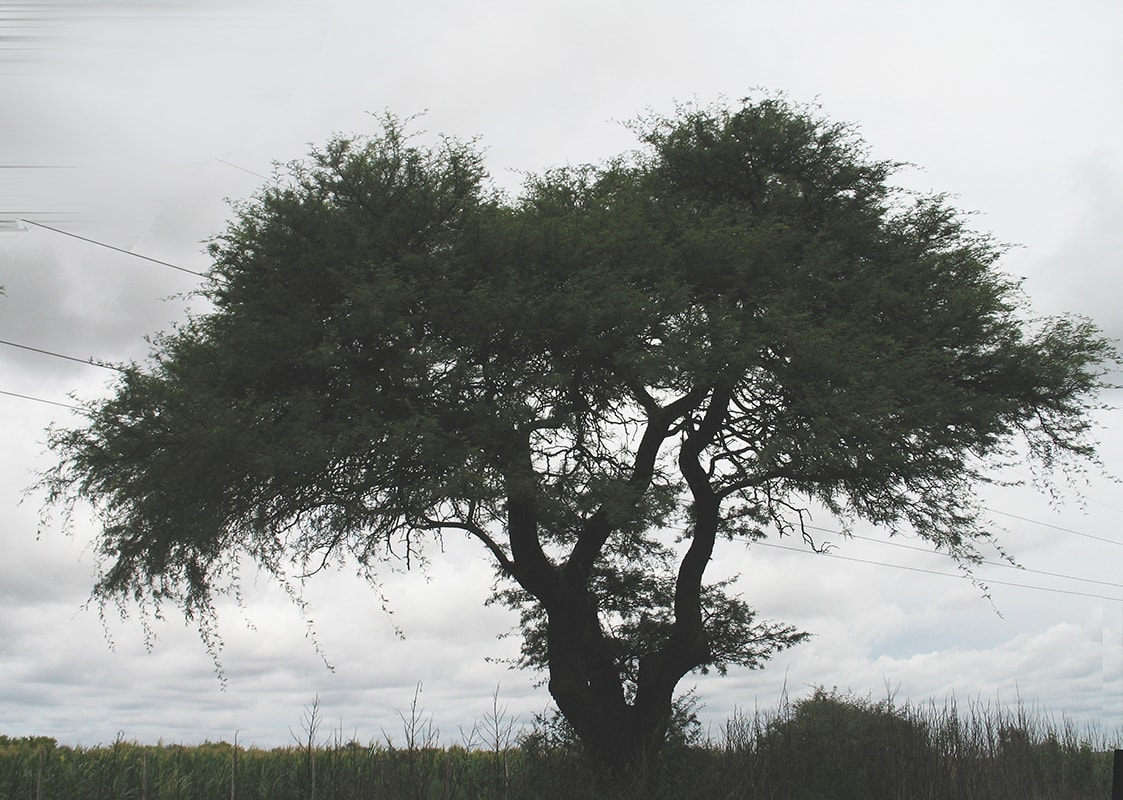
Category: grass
<point>829,745</point>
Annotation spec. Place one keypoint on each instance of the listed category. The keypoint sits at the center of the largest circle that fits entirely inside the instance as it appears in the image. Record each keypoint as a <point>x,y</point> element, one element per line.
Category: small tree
<point>739,323</point>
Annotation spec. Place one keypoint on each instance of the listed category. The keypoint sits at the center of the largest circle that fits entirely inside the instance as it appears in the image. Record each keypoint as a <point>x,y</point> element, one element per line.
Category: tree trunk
<point>623,737</point>
<point>623,740</point>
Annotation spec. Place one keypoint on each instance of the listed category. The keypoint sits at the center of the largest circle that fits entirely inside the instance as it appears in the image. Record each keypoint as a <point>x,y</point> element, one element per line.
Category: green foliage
<point>707,338</point>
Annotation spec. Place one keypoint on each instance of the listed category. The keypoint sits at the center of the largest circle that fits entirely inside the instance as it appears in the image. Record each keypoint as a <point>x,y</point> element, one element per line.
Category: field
<point>827,746</point>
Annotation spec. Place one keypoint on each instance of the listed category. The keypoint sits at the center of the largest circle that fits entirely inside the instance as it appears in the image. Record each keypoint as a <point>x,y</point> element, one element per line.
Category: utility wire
<point>999,564</point>
<point>1056,527</point>
<point>41,400</point>
<point>88,362</point>
<point>935,572</point>
<point>118,249</point>
<point>243,169</point>
<point>1004,565</point>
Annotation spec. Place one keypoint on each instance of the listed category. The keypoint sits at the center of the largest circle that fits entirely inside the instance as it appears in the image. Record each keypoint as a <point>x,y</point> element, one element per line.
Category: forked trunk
<point>623,746</point>
<point>623,740</point>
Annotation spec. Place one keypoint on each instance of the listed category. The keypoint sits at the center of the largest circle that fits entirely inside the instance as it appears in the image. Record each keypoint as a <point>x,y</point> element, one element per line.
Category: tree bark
<point>623,738</point>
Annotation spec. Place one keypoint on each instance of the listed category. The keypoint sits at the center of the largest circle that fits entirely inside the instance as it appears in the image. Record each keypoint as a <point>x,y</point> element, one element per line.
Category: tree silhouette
<point>599,380</point>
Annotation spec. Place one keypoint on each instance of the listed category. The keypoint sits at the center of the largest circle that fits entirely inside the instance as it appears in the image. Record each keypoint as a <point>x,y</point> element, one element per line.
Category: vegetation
<point>599,381</point>
<point>828,746</point>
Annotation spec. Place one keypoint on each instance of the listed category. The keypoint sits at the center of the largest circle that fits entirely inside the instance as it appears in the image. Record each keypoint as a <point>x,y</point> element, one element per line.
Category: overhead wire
<point>42,400</point>
<point>827,552</point>
<point>936,572</point>
<point>120,250</point>
<point>88,362</point>
<point>1055,527</point>
<point>985,563</point>
<point>1003,565</point>
<point>243,169</point>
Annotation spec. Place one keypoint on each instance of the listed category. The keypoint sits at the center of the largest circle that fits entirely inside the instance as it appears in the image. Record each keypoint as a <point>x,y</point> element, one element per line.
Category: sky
<point>133,124</point>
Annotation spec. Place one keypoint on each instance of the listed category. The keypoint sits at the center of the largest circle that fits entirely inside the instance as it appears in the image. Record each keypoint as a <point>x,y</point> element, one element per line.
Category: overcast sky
<point>129,123</point>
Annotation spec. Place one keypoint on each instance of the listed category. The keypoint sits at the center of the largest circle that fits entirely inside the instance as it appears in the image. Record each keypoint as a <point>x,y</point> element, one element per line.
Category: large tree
<point>599,381</point>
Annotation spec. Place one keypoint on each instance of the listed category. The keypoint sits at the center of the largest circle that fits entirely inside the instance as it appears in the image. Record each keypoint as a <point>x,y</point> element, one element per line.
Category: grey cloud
<point>1085,272</point>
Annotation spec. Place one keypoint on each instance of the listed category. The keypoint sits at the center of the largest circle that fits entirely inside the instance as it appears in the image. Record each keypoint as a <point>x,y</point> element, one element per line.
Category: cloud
<point>1084,271</point>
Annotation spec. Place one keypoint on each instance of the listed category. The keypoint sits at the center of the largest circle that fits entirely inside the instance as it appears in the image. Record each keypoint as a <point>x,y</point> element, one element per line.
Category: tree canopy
<point>599,380</point>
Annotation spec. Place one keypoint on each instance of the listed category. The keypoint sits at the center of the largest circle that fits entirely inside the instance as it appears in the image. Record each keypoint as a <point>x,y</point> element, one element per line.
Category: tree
<point>599,381</point>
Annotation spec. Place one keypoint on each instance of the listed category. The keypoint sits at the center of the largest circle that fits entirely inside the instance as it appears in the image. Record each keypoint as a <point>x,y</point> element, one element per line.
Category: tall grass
<point>829,745</point>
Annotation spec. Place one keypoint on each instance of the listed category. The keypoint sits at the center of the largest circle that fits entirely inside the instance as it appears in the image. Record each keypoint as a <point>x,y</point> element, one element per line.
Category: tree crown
<point>739,322</point>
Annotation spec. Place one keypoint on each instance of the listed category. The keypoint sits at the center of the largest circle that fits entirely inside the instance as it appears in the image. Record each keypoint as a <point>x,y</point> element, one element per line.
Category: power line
<point>88,362</point>
<point>243,169</point>
<point>118,249</point>
<point>41,400</point>
<point>987,563</point>
<point>935,572</point>
<point>1001,564</point>
<point>1056,527</point>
